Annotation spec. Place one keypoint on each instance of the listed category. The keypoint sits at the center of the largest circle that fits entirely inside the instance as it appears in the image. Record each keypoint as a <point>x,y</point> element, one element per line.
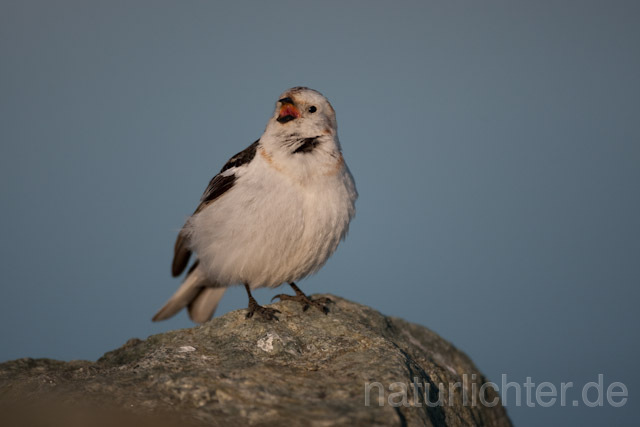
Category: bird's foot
<point>319,303</point>
<point>264,312</point>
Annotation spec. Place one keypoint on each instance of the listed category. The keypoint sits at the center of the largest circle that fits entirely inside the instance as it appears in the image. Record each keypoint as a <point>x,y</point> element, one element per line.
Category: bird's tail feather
<point>195,292</point>
<point>202,307</point>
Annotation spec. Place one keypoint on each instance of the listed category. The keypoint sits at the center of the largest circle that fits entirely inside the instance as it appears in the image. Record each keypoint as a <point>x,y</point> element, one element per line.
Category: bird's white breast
<point>273,227</point>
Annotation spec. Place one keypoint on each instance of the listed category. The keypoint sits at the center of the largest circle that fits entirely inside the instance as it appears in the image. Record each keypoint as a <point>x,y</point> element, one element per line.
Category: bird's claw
<point>306,302</point>
<point>265,312</point>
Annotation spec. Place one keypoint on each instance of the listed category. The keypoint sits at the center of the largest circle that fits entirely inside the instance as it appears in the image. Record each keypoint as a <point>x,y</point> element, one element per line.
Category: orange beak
<point>288,112</point>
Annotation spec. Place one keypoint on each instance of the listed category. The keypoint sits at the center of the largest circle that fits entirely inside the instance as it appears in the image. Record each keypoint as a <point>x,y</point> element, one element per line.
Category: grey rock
<point>308,369</point>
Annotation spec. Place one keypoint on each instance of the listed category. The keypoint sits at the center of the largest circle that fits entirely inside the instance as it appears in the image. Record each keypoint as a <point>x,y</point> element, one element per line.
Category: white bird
<point>274,214</point>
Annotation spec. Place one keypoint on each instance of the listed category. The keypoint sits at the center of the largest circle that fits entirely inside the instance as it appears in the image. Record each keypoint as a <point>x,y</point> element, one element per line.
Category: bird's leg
<point>306,302</point>
<point>266,312</point>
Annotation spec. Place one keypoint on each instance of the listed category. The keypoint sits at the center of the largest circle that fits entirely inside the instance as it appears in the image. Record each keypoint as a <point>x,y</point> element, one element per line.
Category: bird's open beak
<point>288,112</point>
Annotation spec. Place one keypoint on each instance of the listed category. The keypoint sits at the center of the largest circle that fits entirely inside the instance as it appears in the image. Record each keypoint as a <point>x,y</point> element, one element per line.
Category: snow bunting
<point>274,214</point>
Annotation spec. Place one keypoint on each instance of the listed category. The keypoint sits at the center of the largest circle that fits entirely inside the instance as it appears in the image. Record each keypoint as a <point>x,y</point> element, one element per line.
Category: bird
<point>274,214</point>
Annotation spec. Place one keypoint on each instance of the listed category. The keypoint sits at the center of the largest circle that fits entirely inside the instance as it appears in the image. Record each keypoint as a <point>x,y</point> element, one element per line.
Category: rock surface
<point>308,369</point>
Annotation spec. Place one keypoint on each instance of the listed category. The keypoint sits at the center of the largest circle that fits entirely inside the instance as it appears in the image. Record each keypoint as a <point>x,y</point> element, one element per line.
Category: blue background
<point>495,145</point>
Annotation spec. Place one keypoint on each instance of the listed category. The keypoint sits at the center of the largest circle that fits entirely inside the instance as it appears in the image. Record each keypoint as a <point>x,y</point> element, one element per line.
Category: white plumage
<point>283,216</point>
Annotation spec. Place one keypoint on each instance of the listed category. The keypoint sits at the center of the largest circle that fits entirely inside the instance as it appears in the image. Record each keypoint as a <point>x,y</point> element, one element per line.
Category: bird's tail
<point>197,294</point>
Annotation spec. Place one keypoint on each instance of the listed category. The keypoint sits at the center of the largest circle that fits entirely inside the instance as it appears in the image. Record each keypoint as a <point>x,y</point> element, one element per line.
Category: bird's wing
<point>220,184</point>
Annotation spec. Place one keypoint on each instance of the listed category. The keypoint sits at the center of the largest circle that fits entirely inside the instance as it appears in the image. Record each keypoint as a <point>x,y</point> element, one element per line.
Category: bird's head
<point>303,111</point>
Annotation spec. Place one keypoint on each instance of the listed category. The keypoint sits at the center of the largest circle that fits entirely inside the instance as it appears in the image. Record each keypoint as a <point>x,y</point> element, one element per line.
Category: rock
<point>308,369</point>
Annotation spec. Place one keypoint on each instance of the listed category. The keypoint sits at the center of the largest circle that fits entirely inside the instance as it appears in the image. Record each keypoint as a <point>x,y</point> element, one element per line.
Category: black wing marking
<point>216,188</point>
<point>219,185</point>
<point>181,254</point>
<point>242,158</point>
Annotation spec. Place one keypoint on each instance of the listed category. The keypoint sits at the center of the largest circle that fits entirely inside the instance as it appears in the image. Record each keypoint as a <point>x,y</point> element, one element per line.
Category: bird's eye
<point>312,109</point>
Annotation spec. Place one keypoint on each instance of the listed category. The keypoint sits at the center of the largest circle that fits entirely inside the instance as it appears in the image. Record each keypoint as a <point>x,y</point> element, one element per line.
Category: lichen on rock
<point>308,368</point>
